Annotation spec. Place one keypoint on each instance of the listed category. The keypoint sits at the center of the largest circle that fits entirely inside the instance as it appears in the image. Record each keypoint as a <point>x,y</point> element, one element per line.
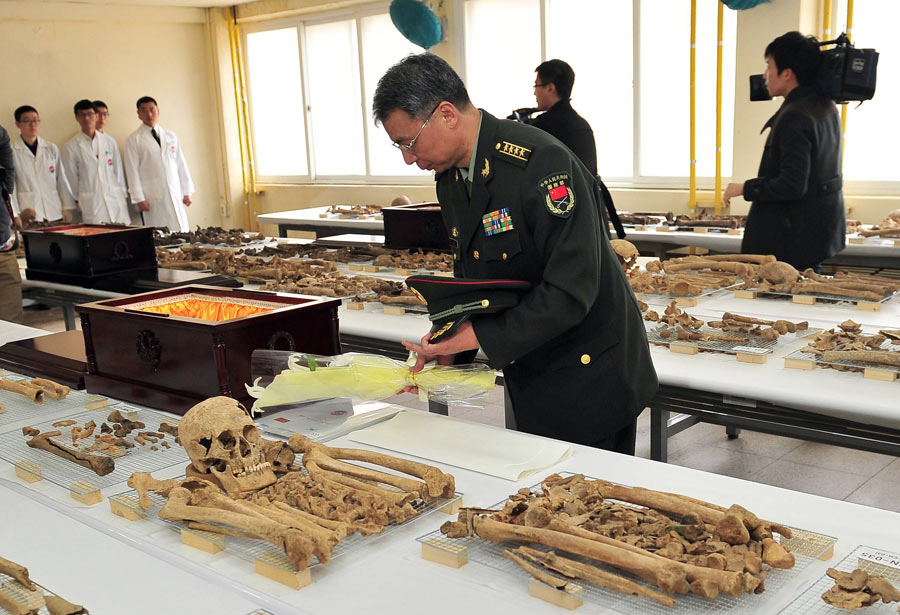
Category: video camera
<point>523,115</point>
<point>845,73</point>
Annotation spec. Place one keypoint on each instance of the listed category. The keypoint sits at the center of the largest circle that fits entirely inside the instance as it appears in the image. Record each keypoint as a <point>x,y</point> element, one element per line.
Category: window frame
<point>299,23</point>
<point>705,182</point>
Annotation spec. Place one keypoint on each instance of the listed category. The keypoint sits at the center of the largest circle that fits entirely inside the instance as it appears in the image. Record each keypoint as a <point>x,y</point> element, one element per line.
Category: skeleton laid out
<point>241,484</point>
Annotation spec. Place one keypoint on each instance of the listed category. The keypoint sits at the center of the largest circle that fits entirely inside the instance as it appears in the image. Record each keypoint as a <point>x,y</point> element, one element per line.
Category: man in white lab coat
<point>160,183</point>
<point>41,184</point>
<point>94,170</point>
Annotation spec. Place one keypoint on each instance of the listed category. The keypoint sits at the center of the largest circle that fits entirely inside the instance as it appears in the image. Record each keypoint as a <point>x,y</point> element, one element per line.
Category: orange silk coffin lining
<point>206,310</point>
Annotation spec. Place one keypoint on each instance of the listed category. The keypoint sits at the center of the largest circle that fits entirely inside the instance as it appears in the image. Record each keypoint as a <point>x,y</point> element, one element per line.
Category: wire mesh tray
<point>806,546</point>
<point>15,592</point>
<point>252,549</point>
<point>754,344</point>
<point>849,365</point>
<point>826,297</point>
<point>18,408</point>
<point>810,602</point>
<point>80,480</point>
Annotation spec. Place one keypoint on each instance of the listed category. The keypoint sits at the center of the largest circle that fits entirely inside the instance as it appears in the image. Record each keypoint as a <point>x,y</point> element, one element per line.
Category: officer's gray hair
<point>417,84</point>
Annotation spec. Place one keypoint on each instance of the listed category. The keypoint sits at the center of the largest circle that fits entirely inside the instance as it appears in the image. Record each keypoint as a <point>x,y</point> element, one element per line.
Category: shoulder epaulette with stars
<point>516,154</point>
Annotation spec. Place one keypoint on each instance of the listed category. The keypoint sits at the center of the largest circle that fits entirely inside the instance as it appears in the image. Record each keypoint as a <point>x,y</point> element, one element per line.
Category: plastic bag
<point>282,377</point>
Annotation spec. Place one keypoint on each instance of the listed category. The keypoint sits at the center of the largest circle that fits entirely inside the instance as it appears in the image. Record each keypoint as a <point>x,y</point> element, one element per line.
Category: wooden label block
<point>869,306</point>
<point>85,492</point>
<point>748,357</point>
<point>403,272</point>
<point>95,402</point>
<point>451,508</point>
<point>684,347</point>
<point>701,229</point>
<point>570,597</point>
<point>29,471</point>
<point>803,299</point>
<point>873,373</point>
<point>371,268</point>
<point>640,228</point>
<point>799,364</point>
<point>858,241</point>
<point>735,231</point>
<point>686,302</point>
<point>897,243</point>
<point>323,215</point>
<point>127,507</point>
<point>277,567</point>
<point>355,267</point>
<point>663,228</point>
<point>208,542</point>
<point>355,305</point>
<point>444,274</point>
<point>394,310</point>
<point>745,294</point>
<point>379,217</point>
<point>445,553</point>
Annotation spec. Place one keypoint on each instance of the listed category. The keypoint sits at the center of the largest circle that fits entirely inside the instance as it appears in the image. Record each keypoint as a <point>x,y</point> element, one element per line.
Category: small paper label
<point>751,350</point>
<point>880,557</point>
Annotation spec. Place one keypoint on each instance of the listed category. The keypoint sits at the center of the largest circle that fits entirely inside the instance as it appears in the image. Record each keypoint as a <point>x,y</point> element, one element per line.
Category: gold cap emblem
<point>585,359</point>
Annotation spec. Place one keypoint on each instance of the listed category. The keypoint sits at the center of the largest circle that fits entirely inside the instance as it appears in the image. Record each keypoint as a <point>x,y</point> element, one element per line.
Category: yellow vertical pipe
<point>692,198</point>
<point>253,223</point>
<point>719,33</point>
<point>235,71</point>
<point>826,20</point>
<point>844,106</point>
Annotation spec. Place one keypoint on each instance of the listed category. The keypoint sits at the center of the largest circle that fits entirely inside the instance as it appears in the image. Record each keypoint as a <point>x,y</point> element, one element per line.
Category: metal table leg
<point>659,436</point>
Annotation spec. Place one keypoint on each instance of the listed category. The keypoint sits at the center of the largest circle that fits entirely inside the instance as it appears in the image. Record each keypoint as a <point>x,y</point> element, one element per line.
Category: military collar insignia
<point>486,171</point>
<point>557,193</point>
<point>516,154</point>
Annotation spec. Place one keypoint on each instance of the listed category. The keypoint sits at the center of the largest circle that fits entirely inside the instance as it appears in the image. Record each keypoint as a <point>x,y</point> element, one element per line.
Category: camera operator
<point>797,205</point>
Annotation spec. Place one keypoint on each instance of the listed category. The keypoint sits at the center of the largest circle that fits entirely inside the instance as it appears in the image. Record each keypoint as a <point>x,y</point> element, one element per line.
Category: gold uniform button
<point>585,359</point>
<point>485,303</point>
<point>503,256</point>
<point>497,146</point>
<point>475,254</point>
<point>454,232</point>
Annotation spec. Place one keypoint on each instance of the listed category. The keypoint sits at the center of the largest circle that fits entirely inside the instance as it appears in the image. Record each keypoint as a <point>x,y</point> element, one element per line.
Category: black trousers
<point>622,441</point>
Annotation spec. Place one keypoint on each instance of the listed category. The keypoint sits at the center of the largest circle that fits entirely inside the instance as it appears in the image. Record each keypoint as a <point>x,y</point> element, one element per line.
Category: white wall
<point>54,54</point>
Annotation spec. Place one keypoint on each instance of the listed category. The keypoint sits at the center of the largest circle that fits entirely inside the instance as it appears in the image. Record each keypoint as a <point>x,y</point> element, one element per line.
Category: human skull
<point>224,443</point>
<point>626,252</point>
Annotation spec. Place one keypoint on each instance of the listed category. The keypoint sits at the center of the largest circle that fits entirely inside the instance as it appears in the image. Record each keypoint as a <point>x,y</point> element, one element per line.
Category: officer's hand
<point>732,190</point>
<point>186,200</point>
<point>67,215</point>
<point>143,206</point>
<point>443,351</point>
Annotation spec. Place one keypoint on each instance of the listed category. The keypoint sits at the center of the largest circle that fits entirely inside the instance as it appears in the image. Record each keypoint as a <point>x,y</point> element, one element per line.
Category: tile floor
<point>871,479</point>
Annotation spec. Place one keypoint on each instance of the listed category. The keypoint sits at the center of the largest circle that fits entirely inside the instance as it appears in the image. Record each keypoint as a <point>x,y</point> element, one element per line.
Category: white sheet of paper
<point>505,454</point>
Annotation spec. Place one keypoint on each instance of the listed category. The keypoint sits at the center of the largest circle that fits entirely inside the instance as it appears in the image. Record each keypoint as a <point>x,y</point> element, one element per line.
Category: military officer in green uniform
<point>519,205</point>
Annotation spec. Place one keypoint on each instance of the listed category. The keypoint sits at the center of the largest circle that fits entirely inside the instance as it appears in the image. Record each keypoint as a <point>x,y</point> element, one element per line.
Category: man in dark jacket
<point>553,93</point>
<point>10,280</point>
<point>797,210</point>
<point>519,205</point>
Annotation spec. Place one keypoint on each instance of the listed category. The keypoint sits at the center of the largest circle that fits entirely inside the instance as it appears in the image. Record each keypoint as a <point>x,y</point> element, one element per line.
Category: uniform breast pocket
<point>502,247</point>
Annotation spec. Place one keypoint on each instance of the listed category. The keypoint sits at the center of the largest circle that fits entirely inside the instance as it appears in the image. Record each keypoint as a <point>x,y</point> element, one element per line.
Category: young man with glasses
<point>102,111</point>
<point>94,169</point>
<point>553,93</point>
<point>41,183</point>
<point>519,206</point>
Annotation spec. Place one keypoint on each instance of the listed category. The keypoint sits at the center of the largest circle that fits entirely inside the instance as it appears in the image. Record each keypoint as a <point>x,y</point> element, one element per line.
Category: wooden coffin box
<point>170,349</point>
<point>57,356</point>
<point>418,225</point>
<point>83,254</point>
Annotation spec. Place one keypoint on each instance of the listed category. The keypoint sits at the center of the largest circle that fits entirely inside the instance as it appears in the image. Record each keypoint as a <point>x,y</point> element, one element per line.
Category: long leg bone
<point>101,464</point>
<point>295,544</point>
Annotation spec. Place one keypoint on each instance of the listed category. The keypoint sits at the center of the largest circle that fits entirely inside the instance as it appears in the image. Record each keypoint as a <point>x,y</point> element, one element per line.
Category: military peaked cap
<point>451,301</point>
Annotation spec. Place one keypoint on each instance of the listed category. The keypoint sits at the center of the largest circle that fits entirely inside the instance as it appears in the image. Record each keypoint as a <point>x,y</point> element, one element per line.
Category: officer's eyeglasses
<point>29,121</point>
<point>409,146</point>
